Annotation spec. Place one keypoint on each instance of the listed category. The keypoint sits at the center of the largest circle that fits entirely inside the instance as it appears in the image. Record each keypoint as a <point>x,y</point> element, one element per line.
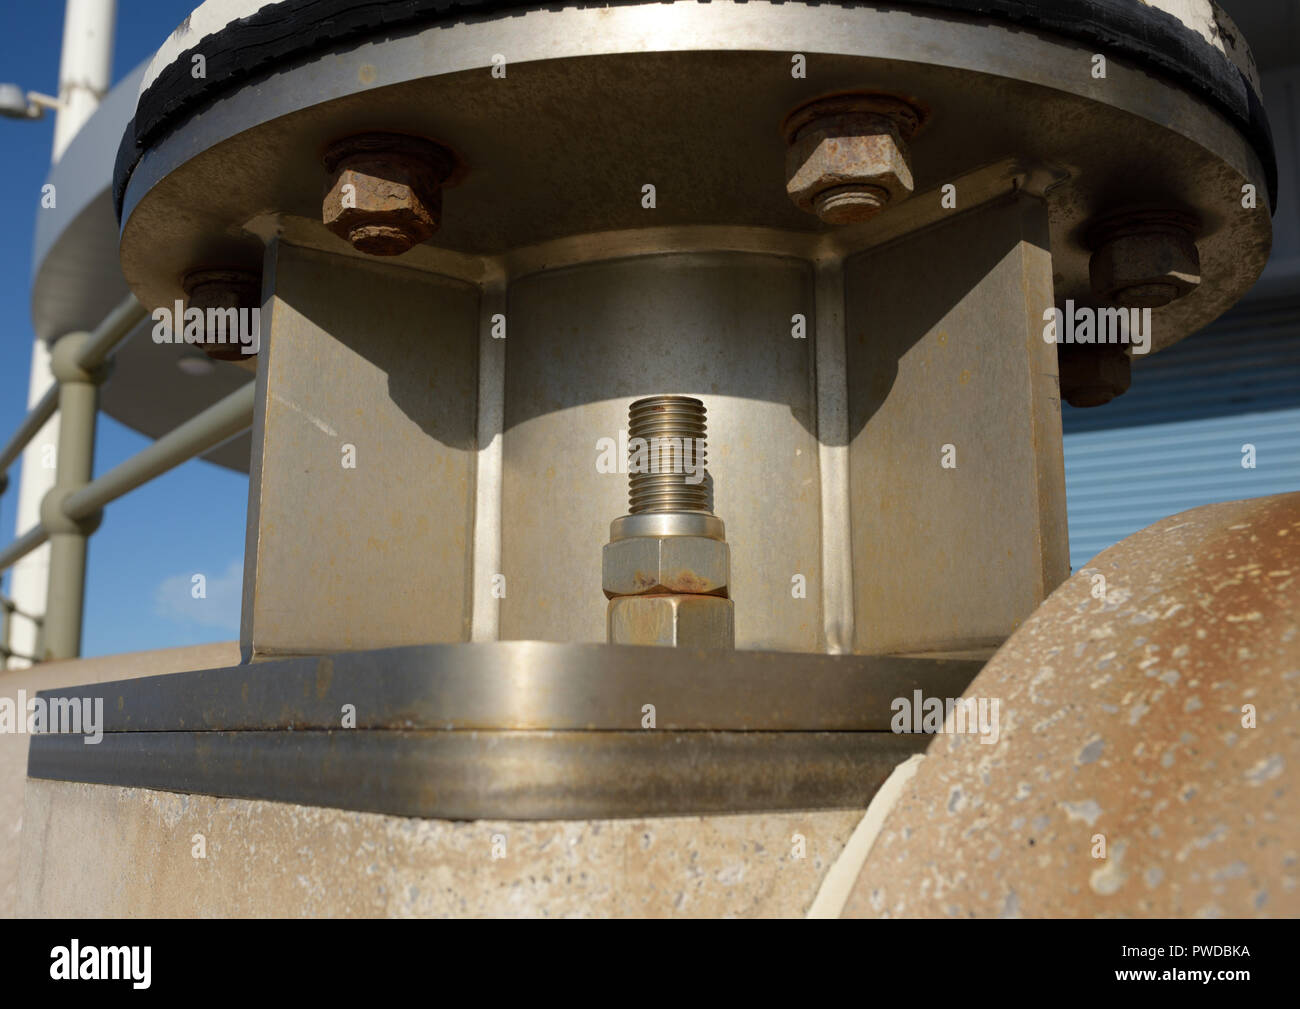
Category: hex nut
<point>223,289</point>
<point>1093,374</point>
<point>644,565</point>
<point>385,191</point>
<point>847,157</point>
<point>1144,260</point>
<point>675,621</point>
<point>848,151</point>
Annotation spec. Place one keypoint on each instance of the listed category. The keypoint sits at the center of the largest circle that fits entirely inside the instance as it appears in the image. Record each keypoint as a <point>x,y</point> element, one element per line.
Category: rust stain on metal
<point>324,676</point>
<point>687,581</point>
<point>847,156</point>
<point>385,190</point>
<point>683,565</point>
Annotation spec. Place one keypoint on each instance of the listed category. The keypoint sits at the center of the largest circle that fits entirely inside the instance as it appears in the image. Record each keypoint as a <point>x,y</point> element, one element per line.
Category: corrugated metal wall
<point>1175,439</point>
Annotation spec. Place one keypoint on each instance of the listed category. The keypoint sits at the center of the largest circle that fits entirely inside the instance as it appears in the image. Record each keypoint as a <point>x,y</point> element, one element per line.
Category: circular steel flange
<point>586,116</point>
<point>243,38</point>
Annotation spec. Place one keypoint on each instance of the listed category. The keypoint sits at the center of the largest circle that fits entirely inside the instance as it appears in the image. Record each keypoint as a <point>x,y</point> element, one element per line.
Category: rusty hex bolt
<point>384,194</point>
<point>223,290</point>
<point>1143,258</point>
<point>1093,374</point>
<point>846,156</point>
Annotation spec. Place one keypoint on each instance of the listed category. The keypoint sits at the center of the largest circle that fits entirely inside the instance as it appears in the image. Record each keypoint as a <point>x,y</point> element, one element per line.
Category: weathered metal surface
<point>385,191</point>
<point>509,775</point>
<point>520,730</point>
<point>846,157</point>
<point>209,179</point>
<point>673,621</point>
<point>146,396</point>
<point>583,342</point>
<point>686,564</point>
<point>585,339</point>
<point>956,473</point>
<point>362,487</point>
<point>1144,258</point>
<point>531,685</point>
<point>1151,705</point>
<point>707,273</point>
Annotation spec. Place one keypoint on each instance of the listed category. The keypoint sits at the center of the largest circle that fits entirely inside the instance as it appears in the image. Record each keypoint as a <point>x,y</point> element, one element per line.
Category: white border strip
<point>838,884</point>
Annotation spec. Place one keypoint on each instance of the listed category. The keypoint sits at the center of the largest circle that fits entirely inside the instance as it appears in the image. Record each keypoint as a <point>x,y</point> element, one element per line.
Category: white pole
<point>85,70</point>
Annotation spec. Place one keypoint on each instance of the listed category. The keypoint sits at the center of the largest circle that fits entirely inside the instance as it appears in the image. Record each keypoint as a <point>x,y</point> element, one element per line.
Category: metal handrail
<point>219,422</point>
<point>112,331</point>
<point>31,424</point>
<point>116,326</point>
<point>22,546</point>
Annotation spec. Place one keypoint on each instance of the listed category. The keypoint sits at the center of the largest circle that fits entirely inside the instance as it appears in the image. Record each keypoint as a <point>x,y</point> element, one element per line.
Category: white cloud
<point>219,607</point>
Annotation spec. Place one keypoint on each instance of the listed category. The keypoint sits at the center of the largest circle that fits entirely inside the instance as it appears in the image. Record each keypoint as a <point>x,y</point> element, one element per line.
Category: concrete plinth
<point>95,851</point>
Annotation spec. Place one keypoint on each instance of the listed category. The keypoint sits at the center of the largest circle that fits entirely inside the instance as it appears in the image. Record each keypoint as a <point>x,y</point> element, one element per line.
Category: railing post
<point>78,407</point>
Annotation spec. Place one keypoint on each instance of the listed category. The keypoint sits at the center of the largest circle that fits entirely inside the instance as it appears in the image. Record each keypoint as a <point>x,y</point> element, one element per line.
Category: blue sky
<point>188,521</point>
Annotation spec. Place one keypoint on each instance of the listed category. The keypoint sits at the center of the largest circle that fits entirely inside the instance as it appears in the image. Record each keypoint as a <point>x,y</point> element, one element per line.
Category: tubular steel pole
<point>78,407</point>
<point>85,67</point>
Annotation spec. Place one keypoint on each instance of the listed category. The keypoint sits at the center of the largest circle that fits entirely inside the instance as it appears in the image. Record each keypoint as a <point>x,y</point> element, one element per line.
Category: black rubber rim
<point>279,32</point>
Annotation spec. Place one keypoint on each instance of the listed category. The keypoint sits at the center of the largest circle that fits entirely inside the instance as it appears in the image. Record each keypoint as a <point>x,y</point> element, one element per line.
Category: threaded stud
<point>667,454</point>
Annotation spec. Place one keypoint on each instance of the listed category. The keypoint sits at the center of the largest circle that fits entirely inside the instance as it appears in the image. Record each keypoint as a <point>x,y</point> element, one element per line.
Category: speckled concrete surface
<point>13,746</point>
<point>96,850</point>
<point>1122,717</point>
